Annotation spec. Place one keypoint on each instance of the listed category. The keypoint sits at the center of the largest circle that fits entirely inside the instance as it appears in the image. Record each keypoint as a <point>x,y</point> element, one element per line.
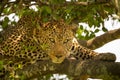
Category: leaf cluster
<point>91,12</point>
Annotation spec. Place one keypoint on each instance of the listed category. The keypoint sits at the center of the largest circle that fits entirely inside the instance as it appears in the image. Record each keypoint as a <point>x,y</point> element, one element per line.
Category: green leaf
<point>97,30</point>
<point>47,9</point>
<point>45,19</point>
<point>104,29</point>
<point>57,1</point>
<point>92,35</point>
<point>1,65</point>
<point>6,19</point>
<point>69,9</point>
<point>86,31</point>
<point>6,10</point>
<point>13,23</point>
<point>81,27</point>
<point>5,22</point>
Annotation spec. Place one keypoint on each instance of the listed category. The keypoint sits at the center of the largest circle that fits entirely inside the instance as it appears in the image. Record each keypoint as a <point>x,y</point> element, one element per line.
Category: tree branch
<point>77,69</point>
<point>102,39</point>
<point>74,68</point>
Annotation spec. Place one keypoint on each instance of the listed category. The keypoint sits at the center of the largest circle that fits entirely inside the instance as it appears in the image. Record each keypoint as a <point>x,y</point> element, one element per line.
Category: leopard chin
<point>57,61</point>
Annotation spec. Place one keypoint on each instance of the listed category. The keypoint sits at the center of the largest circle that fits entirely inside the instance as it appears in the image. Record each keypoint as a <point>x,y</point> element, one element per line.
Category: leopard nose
<point>58,56</point>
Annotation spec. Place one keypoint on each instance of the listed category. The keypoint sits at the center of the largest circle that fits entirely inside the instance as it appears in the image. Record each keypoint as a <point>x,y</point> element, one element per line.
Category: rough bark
<point>80,70</point>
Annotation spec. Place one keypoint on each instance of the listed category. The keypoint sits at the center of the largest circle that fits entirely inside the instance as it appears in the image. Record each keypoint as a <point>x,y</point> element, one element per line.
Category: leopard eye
<point>52,40</point>
<point>66,40</point>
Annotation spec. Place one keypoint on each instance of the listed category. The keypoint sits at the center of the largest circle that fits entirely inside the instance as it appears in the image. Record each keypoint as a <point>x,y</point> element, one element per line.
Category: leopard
<point>32,40</point>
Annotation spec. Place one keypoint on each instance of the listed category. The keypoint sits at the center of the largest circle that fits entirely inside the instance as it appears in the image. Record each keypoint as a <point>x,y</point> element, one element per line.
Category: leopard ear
<point>74,27</point>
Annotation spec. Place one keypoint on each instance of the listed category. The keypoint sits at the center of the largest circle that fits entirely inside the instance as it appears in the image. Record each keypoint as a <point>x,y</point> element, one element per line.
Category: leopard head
<point>57,41</point>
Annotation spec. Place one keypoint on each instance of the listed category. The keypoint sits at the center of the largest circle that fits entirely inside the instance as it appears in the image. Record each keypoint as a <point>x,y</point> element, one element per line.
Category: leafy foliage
<point>72,11</point>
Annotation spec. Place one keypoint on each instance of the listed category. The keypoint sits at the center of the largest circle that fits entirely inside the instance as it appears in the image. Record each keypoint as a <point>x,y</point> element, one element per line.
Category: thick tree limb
<point>80,70</point>
<point>95,69</point>
<point>102,39</point>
